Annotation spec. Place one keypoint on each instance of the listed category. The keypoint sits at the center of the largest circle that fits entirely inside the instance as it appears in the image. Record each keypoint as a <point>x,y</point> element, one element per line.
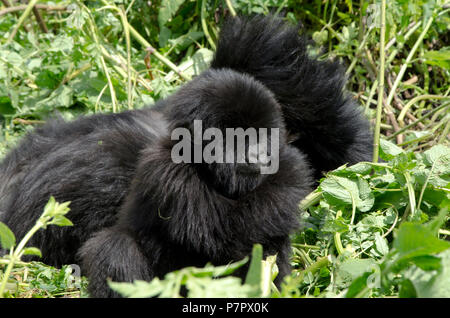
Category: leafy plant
<point>53,215</point>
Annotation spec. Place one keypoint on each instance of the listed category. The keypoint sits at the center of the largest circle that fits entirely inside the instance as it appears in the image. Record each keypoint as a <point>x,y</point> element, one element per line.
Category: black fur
<point>321,117</point>
<point>139,215</point>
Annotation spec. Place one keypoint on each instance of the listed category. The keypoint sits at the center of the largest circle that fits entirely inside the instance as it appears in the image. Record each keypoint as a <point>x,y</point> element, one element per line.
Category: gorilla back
<point>89,162</point>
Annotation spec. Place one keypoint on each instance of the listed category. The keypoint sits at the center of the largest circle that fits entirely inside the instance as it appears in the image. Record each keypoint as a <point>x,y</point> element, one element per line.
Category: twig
<point>26,121</point>
<point>77,72</point>
<point>205,27</point>
<point>445,132</point>
<point>358,52</point>
<point>120,65</point>
<point>399,105</point>
<point>394,39</point>
<point>7,5</point>
<point>38,6</point>
<point>392,120</point>
<point>230,7</point>
<point>22,18</point>
<point>408,60</point>
<point>148,46</point>
<point>123,17</point>
<point>39,20</point>
<point>376,140</point>
<point>419,120</point>
<point>103,63</point>
<point>325,24</point>
<point>415,100</point>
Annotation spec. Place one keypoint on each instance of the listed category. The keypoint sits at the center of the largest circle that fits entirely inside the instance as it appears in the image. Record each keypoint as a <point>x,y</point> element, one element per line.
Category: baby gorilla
<point>139,215</point>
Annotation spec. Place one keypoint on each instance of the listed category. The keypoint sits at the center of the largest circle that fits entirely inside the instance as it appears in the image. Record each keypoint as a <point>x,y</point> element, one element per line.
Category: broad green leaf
<point>439,58</point>
<point>50,206</point>
<point>414,240</point>
<point>253,277</point>
<point>344,191</point>
<point>227,269</point>
<point>432,283</point>
<point>139,288</point>
<point>358,286</point>
<point>32,251</point>
<point>187,39</point>
<point>438,155</point>
<point>78,17</point>
<point>349,270</point>
<point>381,244</point>
<point>5,106</point>
<point>388,150</point>
<point>360,168</point>
<point>7,238</point>
<point>438,221</point>
<point>61,221</point>
<point>61,97</point>
<point>226,287</point>
<point>164,36</point>
<point>167,10</point>
<point>427,262</point>
<point>407,289</point>
<point>62,43</point>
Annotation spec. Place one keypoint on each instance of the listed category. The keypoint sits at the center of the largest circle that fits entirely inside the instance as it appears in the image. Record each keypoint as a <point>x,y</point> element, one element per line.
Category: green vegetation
<point>370,230</point>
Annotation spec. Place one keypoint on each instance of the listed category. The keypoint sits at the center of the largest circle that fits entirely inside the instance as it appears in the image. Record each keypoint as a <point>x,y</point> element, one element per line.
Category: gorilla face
<point>235,130</point>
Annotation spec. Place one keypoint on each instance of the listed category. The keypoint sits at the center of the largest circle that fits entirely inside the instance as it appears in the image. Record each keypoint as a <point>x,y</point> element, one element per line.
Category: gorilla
<point>137,214</point>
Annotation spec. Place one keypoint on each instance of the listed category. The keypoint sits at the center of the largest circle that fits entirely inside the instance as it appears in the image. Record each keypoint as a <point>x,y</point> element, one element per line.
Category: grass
<point>371,230</point>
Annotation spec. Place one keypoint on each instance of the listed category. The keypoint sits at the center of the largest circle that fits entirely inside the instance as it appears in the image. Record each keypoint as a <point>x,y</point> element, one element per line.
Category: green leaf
<point>431,283</point>
<point>345,191</point>
<point>439,155</point>
<point>62,43</point>
<point>32,251</point>
<point>351,269</point>
<point>7,238</point>
<point>226,287</point>
<point>50,206</point>
<point>139,288</point>
<point>381,244</point>
<point>439,58</point>
<point>61,97</point>
<point>253,277</point>
<point>360,168</point>
<point>388,150</point>
<point>435,224</point>
<point>414,240</point>
<point>407,289</point>
<point>167,10</point>
<point>358,286</point>
<point>61,221</point>
<point>427,262</point>
<point>6,107</point>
